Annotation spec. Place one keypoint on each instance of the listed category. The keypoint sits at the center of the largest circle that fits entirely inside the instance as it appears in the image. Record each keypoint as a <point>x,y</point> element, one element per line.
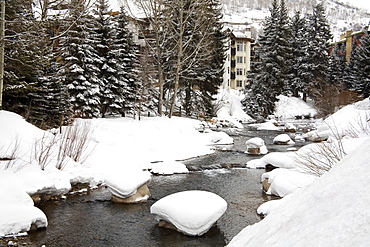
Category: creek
<point>91,219</point>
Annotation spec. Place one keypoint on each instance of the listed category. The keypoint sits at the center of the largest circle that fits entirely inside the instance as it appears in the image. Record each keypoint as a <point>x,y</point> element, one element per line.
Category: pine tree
<point>299,78</point>
<point>122,57</point>
<point>24,56</point>
<point>269,75</point>
<point>336,69</point>
<point>319,36</point>
<point>360,62</point>
<point>82,63</point>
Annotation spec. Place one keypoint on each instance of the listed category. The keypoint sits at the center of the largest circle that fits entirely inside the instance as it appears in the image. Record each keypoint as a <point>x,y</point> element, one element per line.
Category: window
<point>239,46</point>
<point>239,59</point>
<point>239,71</point>
<point>239,83</point>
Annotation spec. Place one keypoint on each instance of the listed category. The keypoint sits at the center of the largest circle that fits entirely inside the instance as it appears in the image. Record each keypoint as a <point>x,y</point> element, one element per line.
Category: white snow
<point>331,211</point>
<point>231,108</point>
<point>125,184</point>
<point>191,212</point>
<point>256,142</point>
<point>286,181</point>
<point>290,107</point>
<point>283,138</point>
<point>17,212</point>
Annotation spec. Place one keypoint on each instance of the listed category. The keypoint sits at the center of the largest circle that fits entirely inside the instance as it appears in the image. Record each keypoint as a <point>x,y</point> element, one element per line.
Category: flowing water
<point>93,220</point>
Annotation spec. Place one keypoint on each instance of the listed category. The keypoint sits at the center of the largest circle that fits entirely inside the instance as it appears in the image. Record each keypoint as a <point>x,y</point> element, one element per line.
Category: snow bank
<point>231,108</point>
<point>191,212</point>
<point>331,211</point>
<point>349,122</point>
<point>17,213</point>
<point>291,107</point>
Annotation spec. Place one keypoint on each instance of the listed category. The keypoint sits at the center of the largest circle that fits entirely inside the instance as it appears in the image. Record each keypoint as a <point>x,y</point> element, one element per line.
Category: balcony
<point>233,64</point>
<point>233,51</point>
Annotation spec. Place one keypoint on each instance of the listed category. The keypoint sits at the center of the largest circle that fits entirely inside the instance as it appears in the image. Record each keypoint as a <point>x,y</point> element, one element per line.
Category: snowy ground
<point>122,145</point>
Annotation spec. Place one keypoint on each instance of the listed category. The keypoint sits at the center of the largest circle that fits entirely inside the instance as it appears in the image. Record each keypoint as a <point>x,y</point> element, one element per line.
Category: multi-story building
<point>347,41</point>
<point>238,57</point>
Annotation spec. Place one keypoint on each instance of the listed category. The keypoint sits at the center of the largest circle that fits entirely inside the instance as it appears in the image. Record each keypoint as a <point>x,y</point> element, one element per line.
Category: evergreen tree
<point>25,51</point>
<point>319,36</point>
<point>122,58</point>
<point>270,74</point>
<point>82,63</point>
<point>337,66</point>
<point>300,44</point>
<point>361,66</point>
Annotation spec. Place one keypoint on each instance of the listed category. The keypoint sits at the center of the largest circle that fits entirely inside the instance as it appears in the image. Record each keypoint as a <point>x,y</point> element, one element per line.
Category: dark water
<point>93,220</point>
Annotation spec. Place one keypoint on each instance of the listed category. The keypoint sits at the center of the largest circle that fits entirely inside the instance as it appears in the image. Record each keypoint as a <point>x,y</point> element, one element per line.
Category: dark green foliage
<point>270,73</point>
<point>26,48</point>
<point>360,66</point>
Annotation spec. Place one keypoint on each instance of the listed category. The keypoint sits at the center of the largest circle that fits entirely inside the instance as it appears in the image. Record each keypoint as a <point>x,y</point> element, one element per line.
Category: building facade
<point>238,59</point>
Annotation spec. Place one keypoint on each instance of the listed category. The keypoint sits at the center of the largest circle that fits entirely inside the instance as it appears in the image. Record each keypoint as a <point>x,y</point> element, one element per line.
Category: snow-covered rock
<point>191,212</point>
<point>126,184</point>
<point>270,125</point>
<point>167,167</point>
<point>286,181</point>
<point>256,145</point>
<point>322,133</point>
<point>218,137</point>
<point>276,159</point>
<point>283,139</point>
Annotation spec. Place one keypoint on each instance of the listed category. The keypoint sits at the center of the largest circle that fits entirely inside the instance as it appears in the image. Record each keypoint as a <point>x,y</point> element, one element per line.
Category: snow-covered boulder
<point>322,133</point>
<point>283,139</point>
<point>142,195</point>
<point>289,127</point>
<point>190,212</point>
<point>270,125</point>
<point>218,137</point>
<point>127,184</point>
<point>256,145</point>
<point>276,159</point>
<point>285,181</point>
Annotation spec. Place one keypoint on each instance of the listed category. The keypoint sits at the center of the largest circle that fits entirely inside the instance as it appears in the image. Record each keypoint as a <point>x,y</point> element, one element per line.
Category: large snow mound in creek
<point>125,184</point>
<point>332,211</point>
<point>191,212</point>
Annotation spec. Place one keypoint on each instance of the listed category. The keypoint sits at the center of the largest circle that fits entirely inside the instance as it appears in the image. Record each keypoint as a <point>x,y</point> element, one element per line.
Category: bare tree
<point>152,10</point>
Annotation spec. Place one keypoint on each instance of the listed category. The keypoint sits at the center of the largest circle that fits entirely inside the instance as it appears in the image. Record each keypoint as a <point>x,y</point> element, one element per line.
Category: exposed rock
<point>254,151</point>
<point>265,184</point>
<point>142,195</point>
